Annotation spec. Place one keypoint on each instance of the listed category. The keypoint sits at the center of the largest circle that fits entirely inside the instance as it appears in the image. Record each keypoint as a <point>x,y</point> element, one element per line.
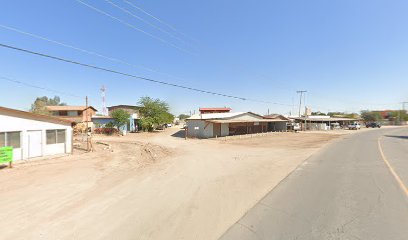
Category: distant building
<point>75,114</point>
<point>128,108</point>
<point>214,110</point>
<point>320,122</point>
<point>34,135</point>
<point>210,125</point>
<point>132,124</point>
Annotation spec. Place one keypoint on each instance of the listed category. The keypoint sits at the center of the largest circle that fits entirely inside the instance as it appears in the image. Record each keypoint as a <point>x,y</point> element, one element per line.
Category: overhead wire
<point>85,51</point>
<point>127,74</point>
<point>174,29</point>
<point>159,20</point>
<point>132,26</point>
<point>145,21</point>
<point>38,87</point>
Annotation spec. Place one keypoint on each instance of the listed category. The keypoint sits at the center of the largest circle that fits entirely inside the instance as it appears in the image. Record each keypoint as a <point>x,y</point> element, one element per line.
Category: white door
<point>34,144</point>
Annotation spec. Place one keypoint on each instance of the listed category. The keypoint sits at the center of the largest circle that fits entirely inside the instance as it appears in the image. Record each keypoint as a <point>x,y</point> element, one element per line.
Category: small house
<point>75,114</point>
<point>34,135</point>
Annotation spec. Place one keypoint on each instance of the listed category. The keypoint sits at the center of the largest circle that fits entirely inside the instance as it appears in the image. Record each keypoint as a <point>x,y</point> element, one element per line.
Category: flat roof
<point>33,116</point>
<point>244,121</point>
<point>102,117</point>
<point>215,109</point>
<point>325,119</point>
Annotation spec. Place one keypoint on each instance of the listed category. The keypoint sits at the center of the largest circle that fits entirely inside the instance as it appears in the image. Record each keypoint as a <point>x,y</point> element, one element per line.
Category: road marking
<point>397,178</point>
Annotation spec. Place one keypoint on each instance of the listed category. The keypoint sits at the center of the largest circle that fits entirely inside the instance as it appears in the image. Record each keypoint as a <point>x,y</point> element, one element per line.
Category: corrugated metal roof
<point>244,121</point>
<point>229,118</point>
<point>214,116</point>
<point>276,116</point>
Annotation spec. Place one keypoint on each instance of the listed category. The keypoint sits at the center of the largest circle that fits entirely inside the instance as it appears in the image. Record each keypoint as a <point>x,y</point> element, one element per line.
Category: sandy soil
<point>148,186</point>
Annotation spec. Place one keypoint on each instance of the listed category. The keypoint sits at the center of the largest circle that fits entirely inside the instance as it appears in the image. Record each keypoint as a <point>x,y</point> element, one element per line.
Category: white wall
<point>201,132</point>
<point>224,129</point>
<point>15,124</point>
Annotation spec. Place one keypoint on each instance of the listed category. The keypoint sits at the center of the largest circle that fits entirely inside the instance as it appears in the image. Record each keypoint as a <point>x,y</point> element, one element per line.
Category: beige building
<point>75,114</point>
<point>227,124</point>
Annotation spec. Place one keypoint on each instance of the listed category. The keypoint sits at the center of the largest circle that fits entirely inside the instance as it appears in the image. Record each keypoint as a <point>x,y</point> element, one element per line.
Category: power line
<point>159,20</point>
<point>129,75</point>
<point>145,21</point>
<point>84,50</point>
<point>107,57</point>
<point>132,26</point>
<point>38,87</point>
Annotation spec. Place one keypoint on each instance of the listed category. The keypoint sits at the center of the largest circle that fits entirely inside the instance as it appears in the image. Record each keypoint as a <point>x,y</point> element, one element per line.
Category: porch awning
<point>244,121</point>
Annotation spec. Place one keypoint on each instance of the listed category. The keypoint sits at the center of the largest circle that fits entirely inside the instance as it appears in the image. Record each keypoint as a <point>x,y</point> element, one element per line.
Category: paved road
<point>346,191</point>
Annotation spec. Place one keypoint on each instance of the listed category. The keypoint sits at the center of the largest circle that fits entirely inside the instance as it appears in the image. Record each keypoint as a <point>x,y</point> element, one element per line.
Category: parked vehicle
<point>373,125</point>
<point>335,126</point>
<point>169,125</point>
<point>161,127</point>
<point>354,126</point>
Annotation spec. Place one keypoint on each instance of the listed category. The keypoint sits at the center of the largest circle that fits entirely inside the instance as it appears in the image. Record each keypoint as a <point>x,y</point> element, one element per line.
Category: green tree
<point>318,114</point>
<point>40,103</point>
<point>183,116</point>
<point>332,114</point>
<point>400,115</point>
<point>120,118</point>
<point>154,112</point>
<point>369,116</point>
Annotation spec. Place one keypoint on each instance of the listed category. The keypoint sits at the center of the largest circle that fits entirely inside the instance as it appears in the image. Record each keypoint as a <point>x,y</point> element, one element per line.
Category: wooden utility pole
<point>300,103</point>
<point>87,123</point>
<point>402,111</point>
<point>300,99</point>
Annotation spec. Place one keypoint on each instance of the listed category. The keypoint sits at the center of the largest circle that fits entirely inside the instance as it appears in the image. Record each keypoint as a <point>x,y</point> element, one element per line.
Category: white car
<point>169,125</point>
<point>354,126</point>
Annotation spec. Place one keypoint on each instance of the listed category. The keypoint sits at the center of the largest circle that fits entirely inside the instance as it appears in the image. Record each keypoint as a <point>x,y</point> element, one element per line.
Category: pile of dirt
<point>153,153</point>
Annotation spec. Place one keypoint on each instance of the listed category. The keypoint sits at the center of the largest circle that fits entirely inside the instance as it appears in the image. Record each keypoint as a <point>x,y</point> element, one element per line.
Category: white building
<point>225,124</point>
<point>33,135</point>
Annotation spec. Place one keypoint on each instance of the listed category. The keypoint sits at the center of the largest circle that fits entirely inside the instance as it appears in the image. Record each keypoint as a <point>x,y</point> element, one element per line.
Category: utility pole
<point>300,103</point>
<point>103,94</point>
<point>300,99</point>
<point>87,123</point>
<point>399,112</point>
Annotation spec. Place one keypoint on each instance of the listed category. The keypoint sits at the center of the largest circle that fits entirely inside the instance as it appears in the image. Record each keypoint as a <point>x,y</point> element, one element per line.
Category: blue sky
<point>349,55</point>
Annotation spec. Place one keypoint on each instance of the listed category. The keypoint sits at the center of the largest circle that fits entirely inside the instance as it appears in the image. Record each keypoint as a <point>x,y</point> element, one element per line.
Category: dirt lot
<point>148,186</point>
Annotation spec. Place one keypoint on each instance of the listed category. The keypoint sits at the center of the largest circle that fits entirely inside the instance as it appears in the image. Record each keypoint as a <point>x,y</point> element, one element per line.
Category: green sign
<point>6,154</point>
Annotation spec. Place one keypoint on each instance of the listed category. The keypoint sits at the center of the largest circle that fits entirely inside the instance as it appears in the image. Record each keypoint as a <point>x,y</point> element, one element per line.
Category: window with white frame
<point>55,136</point>
<point>10,139</point>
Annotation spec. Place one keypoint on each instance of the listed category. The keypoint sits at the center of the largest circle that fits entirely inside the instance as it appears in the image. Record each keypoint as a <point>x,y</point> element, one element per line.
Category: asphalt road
<point>345,191</point>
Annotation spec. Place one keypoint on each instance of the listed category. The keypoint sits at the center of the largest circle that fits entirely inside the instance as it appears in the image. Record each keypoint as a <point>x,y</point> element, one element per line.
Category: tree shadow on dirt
<point>395,136</point>
<point>179,134</point>
<point>3,166</point>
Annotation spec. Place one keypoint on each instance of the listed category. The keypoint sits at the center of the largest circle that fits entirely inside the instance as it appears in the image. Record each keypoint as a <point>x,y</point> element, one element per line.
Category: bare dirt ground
<point>148,186</point>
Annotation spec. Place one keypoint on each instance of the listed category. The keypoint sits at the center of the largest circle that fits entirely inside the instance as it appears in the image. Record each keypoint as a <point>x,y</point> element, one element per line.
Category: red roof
<point>215,109</point>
